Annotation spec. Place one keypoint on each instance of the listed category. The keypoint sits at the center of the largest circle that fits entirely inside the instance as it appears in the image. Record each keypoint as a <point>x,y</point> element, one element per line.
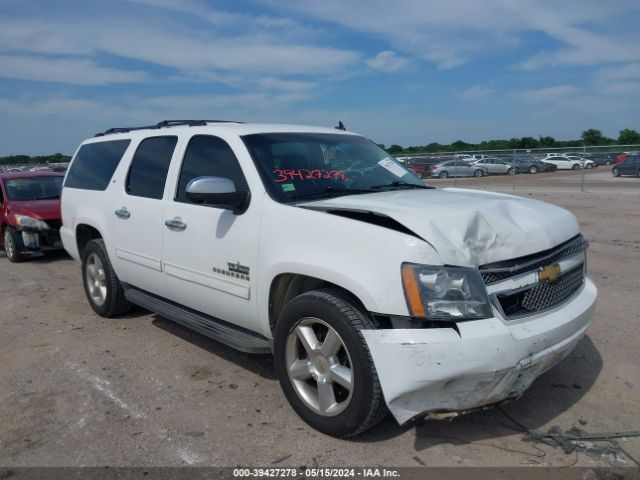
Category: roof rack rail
<point>163,124</point>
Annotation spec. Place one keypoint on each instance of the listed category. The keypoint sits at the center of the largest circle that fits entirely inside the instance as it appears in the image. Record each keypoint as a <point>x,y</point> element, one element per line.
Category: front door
<point>210,254</point>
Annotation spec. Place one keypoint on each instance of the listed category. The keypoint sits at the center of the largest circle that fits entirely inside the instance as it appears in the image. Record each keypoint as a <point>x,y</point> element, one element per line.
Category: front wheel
<point>12,245</point>
<point>533,169</point>
<point>101,285</point>
<point>324,365</point>
<point>575,167</point>
<point>589,166</point>
<point>616,172</point>
<point>478,173</point>
<point>511,171</point>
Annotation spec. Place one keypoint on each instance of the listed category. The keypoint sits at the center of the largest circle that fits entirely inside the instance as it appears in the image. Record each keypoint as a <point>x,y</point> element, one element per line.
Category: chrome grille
<point>499,271</point>
<point>536,295</point>
<point>541,297</point>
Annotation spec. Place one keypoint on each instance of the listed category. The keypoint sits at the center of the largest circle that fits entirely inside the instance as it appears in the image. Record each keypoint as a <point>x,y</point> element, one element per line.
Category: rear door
<point>139,213</point>
<point>210,254</point>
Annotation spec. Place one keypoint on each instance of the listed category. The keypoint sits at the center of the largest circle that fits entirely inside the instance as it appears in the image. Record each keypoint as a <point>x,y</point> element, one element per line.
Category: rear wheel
<point>478,173</point>
<point>12,245</point>
<point>324,365</point>
<point>533,169</point>
<point>575,167</point>
<point>444,175</point>
<point>616,172</point>
<point>101,285</point>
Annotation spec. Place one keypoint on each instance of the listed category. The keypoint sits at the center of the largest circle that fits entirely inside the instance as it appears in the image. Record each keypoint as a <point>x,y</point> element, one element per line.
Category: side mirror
<point>218,192</point>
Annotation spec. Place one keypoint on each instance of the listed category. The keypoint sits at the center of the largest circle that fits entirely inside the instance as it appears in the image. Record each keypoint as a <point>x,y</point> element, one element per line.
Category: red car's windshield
<point>33,188</point>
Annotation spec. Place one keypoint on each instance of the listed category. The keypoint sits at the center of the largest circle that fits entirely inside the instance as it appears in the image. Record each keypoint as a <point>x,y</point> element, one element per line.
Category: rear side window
<point>149,167</point>
<point>209,156</point>
<point>94,164</point>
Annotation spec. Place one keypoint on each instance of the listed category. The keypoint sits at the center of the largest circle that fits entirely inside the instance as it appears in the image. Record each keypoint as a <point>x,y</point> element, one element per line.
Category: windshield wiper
<point>400,185</point>
<point>331,190</point>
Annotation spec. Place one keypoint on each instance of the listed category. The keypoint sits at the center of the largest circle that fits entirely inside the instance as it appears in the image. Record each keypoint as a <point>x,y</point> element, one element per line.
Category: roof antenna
<point>340,126</point>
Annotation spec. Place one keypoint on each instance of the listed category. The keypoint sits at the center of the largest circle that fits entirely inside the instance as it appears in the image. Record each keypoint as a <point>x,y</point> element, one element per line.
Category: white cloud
<point>272,83</point>
<point>254,49</point>
<point>65,70</point>
<point>477,91</point>
<point>387,61</point>
<point>451,33</point>
<point>548,94</point>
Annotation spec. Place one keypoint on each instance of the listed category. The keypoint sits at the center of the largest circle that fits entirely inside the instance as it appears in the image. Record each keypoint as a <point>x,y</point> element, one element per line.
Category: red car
<point>620,158</point>
<point>30,213</point>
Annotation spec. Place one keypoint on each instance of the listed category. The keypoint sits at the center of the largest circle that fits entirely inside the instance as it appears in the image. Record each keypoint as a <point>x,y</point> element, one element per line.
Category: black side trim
<point>234,336</point>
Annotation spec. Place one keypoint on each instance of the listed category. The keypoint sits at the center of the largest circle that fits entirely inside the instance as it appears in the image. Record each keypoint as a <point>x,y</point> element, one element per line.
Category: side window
<point>208,156</point>
<point>94,164</point>
<point>149,167</point>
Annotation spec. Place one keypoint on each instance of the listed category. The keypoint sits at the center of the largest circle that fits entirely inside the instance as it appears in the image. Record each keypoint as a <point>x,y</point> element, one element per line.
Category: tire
<point>638,173</point>
<point>533,169</point>
<point>575,167</point>
<point>511,171</point>
<point>608,162</point>
<point>321,313</point>
<point>616,172</point>
<point>101,285</point>
<point>444,175</point>
<point>478,173</point>
<point>13,245</point>
<point>588,166</point>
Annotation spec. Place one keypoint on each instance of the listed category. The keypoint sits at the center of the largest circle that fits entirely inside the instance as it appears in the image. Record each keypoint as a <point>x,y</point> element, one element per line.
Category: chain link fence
<point>581,169</point>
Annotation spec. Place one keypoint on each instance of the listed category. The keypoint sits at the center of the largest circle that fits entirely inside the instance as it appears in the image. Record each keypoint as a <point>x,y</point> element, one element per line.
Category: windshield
<point>311,166</point>
<point>33,188</point>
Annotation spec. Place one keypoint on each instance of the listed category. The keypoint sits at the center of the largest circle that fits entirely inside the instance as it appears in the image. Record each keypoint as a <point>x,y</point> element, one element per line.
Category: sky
<point>407,72</point>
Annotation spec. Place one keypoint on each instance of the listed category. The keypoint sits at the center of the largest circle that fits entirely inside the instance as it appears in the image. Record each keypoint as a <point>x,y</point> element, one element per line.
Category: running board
<point>231,335</point>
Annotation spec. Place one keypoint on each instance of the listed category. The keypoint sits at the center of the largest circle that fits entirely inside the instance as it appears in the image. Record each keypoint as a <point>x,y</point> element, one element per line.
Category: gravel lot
<point>76,389</point>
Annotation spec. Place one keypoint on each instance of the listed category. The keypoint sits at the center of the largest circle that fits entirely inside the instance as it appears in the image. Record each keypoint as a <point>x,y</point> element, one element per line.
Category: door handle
<point>122,213</point>
<point>175,224</point>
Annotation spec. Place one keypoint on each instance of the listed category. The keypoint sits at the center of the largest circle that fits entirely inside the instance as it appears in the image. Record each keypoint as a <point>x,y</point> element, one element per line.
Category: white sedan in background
<point>569,162</point>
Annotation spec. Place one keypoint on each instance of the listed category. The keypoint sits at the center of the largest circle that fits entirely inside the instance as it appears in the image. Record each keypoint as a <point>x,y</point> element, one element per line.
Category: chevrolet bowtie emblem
<point>549,273</point>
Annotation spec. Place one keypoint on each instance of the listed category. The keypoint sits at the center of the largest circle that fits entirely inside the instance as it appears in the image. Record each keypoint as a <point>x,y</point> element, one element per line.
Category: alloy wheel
<point>319,367</point>
<point>9,247</point>
<point>96,280</point>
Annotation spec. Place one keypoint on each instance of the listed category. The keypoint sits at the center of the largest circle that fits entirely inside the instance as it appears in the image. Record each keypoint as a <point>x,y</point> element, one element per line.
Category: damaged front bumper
<point>32,241</point>
<point>440,370</point>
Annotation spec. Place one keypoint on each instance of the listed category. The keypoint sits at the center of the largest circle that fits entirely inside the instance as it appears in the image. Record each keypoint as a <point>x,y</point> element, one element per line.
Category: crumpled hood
<point>42,209</point>
<point>468,227</point>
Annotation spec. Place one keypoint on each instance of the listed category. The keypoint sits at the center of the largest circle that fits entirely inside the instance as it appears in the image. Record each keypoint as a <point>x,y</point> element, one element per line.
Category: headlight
<point>445,293</point>
<point>30,222</point>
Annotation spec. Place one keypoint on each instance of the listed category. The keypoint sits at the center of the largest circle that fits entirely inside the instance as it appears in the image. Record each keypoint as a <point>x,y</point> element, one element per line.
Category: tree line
<point>22,159</point>
<point>590,137</point>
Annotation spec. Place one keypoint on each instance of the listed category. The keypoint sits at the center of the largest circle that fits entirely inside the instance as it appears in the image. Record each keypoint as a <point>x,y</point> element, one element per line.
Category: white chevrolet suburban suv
<point>371,289</point>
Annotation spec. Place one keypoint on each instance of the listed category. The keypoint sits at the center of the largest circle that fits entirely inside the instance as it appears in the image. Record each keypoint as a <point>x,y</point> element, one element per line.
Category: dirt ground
<point>76,389</point>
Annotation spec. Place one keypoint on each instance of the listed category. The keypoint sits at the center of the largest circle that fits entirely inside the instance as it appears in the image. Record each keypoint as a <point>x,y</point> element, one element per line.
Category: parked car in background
<point>622,157</point>
<point>631,166</point>
<point>421,166</point>
<point>532,165</point>
<point>598,158</point>
<point>564,163</point>
<point>30,213</point>
<point>496,165</point>
<point>457,168</point>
